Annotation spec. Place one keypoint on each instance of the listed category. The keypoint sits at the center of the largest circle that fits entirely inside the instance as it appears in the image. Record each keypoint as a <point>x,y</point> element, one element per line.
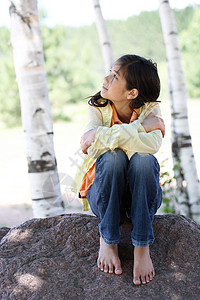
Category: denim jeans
<point>121,184</point>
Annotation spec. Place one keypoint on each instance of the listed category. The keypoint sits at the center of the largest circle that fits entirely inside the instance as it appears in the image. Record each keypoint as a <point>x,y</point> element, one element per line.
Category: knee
<point>144,163</point>
<point>115,159</point>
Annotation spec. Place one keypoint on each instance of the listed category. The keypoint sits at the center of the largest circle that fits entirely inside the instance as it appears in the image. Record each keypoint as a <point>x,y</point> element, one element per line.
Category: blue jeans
<point>121,184</point>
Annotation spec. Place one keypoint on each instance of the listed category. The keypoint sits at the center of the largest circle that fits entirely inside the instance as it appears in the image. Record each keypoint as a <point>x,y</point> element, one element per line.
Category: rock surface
<point>55,259</point>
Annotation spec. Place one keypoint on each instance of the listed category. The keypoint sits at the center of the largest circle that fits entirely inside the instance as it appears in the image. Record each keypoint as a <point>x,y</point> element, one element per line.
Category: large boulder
<point>55,259</point>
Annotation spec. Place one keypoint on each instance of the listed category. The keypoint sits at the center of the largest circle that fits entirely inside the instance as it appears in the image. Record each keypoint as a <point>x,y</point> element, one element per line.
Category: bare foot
<point>143,270</point>
<point>108,260</point>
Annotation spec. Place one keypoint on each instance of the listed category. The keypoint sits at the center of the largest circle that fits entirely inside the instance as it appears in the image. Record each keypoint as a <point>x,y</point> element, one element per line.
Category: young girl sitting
<point>120,176</point>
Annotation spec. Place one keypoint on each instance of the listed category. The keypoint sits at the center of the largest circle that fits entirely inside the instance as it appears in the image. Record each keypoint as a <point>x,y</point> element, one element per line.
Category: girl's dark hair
<point>141,74</point>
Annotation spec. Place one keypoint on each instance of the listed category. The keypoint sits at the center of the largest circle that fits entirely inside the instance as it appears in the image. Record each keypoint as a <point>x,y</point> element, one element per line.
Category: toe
<point>147,279</point>
<point>150,276</point>
<point>118,270</point>
<point>143,279</point>
<point>110,269</point>
<point>102,265</point>
<point>136,280</point>
<point>98,263</point>
<point>106,268</point>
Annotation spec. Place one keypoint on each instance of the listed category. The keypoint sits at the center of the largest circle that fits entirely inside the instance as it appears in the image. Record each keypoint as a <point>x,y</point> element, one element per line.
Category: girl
<point>120,176</point>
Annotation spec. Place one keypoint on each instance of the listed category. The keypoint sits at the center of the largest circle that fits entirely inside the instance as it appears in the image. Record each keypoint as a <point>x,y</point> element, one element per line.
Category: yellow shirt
<point>130,137</point>
<point>89,177</point>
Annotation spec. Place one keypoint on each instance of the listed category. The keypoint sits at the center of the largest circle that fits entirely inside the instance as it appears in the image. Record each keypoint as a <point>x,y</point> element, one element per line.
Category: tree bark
<point>106,45</point>
<point>185,169</point>
<point>35,108</point>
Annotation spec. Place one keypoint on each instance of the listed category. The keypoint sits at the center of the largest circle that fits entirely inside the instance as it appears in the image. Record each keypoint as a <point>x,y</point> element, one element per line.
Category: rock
<point>3,231</point>
<point>55,259</point>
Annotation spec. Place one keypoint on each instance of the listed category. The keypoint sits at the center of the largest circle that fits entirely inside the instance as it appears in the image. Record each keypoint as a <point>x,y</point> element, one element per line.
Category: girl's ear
<point>132,94</point>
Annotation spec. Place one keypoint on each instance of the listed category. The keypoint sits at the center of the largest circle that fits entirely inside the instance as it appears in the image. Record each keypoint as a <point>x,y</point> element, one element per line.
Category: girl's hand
<point>87,139</point>
<point>152,123</point>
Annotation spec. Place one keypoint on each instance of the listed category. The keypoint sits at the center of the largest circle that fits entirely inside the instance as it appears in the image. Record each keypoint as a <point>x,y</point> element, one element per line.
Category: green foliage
<point>74,63</point>
<point>169,193</point>
<point>190,45</point>
<point>9,96</point>
<point>141,35</point>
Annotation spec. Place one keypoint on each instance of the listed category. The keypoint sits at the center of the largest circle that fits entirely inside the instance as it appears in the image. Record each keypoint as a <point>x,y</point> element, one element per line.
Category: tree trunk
<point>35,108</point>
<point>183,157</point>
<point>104,37</point>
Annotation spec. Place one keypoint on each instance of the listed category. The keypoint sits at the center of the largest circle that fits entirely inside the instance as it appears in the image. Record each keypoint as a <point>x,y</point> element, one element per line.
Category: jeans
<point>121,184</point>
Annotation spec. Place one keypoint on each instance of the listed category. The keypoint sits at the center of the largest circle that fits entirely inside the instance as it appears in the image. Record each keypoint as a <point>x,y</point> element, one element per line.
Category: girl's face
<point>114,86</point>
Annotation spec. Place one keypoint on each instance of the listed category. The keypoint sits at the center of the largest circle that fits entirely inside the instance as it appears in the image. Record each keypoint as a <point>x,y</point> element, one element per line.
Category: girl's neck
<point>124,112</point>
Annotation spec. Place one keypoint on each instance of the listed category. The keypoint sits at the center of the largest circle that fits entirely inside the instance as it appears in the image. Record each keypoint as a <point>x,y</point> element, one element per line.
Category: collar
<point>116,120</point>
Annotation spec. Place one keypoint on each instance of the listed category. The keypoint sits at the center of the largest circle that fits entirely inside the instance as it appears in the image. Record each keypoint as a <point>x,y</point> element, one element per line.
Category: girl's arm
<point>131,137</point>
<point>125,136</point>
<point>151,123</point>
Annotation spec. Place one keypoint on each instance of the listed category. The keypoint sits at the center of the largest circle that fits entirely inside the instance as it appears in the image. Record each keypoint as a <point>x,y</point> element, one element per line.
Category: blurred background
<point>75,70</point>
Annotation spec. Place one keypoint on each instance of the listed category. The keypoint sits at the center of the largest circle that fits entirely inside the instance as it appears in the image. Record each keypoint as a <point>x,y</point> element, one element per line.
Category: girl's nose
<point>106,79</point>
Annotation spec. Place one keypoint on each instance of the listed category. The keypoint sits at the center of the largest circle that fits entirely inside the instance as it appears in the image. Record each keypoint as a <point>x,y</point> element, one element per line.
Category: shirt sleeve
<point>95,118</point>
<point>127,137</point>
<point>131,137</point>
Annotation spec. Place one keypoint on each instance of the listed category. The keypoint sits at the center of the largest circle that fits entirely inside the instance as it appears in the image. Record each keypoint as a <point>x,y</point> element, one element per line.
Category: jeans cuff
<point>142,243</point>
<point>113,242</point>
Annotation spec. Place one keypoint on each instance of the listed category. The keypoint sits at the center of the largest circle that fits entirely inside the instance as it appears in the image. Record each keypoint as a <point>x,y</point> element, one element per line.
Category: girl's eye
<point>114,74</point>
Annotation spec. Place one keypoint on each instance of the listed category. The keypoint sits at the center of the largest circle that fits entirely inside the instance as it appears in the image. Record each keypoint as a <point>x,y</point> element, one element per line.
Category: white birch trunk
<point>35,109</point>
<point>104,37</point>
<point>181,140</point>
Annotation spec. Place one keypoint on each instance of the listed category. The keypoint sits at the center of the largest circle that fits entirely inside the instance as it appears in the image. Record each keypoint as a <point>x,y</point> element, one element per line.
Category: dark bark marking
<point>48,198</point>
<point>183,117</point>
<point>41,165</point>
<point>186,145</point>
<point>186,137</point>
<point>173,32</point>
<point>45,164</point>
<point>39,109</point>
<point>50,132</point>
<point>174,114</point>
<point>38,166</point>
<point>97,6</point>
<point>176,146</point>
<point>106,43</point>
<point>44,198</point>
<point>45,154</point>
<point>185,203</point>
<point>13,10</point>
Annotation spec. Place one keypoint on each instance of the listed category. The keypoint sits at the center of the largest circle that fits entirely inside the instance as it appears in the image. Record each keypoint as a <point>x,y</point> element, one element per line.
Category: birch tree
<point>35,108</point>
<point>185,169</point>
<point>104,37</point>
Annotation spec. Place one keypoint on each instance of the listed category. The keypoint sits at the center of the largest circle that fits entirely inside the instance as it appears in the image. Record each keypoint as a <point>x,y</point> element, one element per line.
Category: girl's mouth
<point>103,87</point>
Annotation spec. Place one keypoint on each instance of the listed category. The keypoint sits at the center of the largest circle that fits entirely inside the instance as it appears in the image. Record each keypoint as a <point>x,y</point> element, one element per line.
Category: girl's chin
<point>102,93</point>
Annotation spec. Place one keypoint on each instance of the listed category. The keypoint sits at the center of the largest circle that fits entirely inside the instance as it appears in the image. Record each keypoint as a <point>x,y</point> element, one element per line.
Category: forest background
<point>75,70</point>
<point>74,63</point>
